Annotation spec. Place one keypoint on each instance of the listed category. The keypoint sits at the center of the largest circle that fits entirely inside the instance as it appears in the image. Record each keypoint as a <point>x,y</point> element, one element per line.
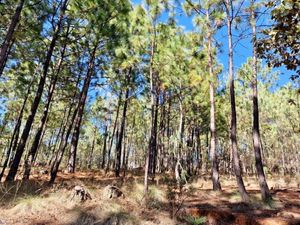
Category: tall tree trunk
<point>199,150</point>
<point>81,104</point>
<point>213,129</point>
<point>264,189</point>
<point>125,143</point>
<point>64,135</point>
<point>4,50</point>
<point>15,136</point>
<point>19,152</point>
<point>90,161</point>
<point>161,140</point>
<point>104,148</point>
<point>111,141</point>
<point>152,93</point>
<point>122,130</point>
<point>129,144</point>
<point>233,129</point>
<point>180,133</point>
<point>37,139</point>
<point>58,136</point>
<point>62,146</point>
<point>154,141</point>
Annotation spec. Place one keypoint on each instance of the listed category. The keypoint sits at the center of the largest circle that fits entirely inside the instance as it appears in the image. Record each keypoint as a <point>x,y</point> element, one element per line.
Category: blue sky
<point>242,50</point>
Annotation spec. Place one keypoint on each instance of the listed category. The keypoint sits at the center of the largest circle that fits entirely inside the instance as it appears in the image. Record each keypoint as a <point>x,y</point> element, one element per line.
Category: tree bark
<point>6,45</point>
<point>19,152</point>
<point>233,129</point>
<point>104,148</point>
<point>37,139</point>
<point>113,131</point>
<point>90,161</point>
<point>199,150</point>
<point>15,136</point>
<point>64,137</point>
<point>264,189</point>
<point>78,119</point>
<point>152,94</point>
<point>58,136</point>
<point>62,146</point>
<point>123,122</point>
<point>154,141</point>
<point>213,129</point>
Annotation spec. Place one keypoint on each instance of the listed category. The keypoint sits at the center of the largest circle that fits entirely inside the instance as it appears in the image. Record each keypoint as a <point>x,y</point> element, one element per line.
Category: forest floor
<point>33,202</point>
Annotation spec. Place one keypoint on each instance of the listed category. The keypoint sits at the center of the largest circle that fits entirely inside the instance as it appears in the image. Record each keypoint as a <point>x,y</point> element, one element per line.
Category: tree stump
<point>81,192</point>
<point>111,191</point>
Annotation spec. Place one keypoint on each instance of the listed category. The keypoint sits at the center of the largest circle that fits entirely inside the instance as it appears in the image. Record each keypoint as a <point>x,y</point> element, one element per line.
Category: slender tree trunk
<point>161,138</point>
<point>37,139</point>
<point>78,119</point>
<point>62,146</point>
<point>89,166</point>
<point>19,152</point>
<point>40,142</point>
<point>104,148</point>
<point>4,50</point>
<point>152,90</point>
<point>64,136</point>
<point>125,142</point>
<point>57,138</point>
<point>199,150</point>
<point>122,130</point>
<point>129,143</point>
<point>180,132</point>
<point>15,136</point>
<point>51,143</point>
<point>264,189</point>
<point>154,141</point>
<point>113,132</point>
<point>213,129</point>
<point>233,130</point>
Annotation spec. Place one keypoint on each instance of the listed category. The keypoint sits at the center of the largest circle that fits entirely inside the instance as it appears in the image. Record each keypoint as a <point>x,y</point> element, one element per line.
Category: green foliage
<point>123,35</point>
<point>195,220</point>
<point>280,45</point>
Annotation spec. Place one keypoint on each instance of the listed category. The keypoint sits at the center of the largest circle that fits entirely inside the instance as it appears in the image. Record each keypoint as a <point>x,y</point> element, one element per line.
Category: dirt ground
<point>34,202</point>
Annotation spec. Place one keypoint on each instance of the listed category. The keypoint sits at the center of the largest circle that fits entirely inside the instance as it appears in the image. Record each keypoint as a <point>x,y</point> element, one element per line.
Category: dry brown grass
<point>34,202</point>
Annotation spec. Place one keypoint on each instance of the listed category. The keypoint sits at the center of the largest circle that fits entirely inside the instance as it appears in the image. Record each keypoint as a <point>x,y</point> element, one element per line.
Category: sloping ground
<point>226,207</point>
<point>36,203</point>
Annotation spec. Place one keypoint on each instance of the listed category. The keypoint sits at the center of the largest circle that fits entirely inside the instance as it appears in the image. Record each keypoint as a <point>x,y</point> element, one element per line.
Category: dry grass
<point>34,202</point>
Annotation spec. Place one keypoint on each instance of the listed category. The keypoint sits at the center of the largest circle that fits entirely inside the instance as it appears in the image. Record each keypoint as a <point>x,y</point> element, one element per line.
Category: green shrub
<point>195,220</point>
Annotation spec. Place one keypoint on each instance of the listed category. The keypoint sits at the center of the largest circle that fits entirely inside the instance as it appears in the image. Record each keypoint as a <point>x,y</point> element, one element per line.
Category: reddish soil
<point>222,208</point>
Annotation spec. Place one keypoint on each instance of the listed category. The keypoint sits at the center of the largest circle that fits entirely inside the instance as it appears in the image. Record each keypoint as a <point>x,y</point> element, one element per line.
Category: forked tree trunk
<point>264,189</point>
<point>6,45</point>
<point>233,128</point>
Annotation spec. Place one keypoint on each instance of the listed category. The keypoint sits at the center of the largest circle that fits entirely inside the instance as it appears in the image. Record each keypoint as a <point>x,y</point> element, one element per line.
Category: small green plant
<point>195,220</point>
